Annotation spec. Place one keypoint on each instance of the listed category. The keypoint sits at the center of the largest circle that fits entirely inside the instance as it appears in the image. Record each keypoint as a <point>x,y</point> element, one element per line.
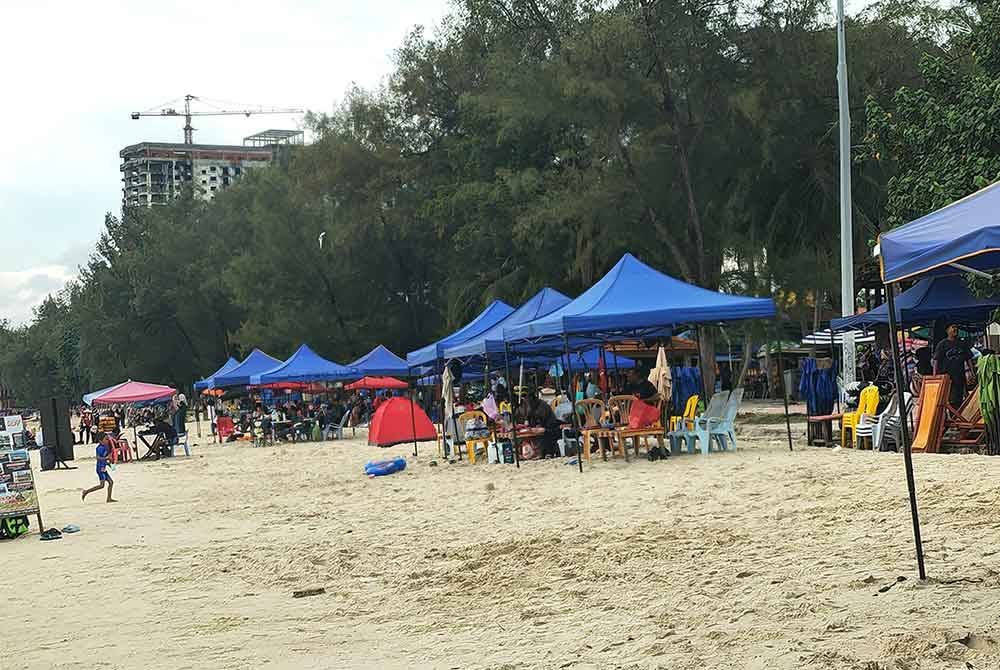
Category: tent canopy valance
<point>380,362</point>
<point>485,320</point>
<point>961,237</point>
<point>131,392</point>
<point>226,368</point>
<point>305,365</point>
<point>254,364</point>
<point>931,298</point>
<point>376,383</point>
<point>635,300</point>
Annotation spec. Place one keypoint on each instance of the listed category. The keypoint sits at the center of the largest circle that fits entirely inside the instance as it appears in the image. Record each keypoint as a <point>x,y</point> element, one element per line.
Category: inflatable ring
<point>386,467</point>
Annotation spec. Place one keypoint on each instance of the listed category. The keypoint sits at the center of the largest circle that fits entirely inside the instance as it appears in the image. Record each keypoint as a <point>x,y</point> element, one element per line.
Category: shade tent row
<point>255,364</point>
<point>433,353</point>
<point>305,365</point>
<point>961,237</point>
<point>380,362</point>
<point>931,298</point>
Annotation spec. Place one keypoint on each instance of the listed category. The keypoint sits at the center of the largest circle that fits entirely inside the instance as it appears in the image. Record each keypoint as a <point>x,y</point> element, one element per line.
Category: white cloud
<point>23,290</point>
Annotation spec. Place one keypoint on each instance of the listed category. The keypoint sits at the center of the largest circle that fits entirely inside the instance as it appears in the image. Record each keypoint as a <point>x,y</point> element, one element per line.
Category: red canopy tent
<point>394,423</point>
<point>134,392</point>
<point>375,383</point>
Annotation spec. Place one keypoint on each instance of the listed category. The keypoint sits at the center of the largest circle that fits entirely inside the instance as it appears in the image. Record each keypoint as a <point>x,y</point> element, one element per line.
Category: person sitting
<point>165,436</point>
<point>538,414</point>
<point>640,387</point>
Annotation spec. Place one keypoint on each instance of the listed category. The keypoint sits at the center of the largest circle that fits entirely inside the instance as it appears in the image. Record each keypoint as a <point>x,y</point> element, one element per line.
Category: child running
<point>103,452</point>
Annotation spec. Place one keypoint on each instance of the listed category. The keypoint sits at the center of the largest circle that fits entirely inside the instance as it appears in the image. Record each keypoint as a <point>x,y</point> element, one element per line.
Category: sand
<point>758,559</point>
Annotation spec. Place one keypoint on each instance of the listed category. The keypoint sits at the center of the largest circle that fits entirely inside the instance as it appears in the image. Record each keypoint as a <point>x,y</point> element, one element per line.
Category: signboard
<point>17,486</point>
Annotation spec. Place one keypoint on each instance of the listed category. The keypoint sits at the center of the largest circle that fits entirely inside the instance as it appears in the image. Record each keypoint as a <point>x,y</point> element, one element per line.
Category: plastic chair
<point>686,419</point>
<point>591,410</point>
<point>181,441</point>
<point>700,425</point>
<point>867,404</point>
<point>120,450</point>
<point>474,442</point>
<point>870,427</point>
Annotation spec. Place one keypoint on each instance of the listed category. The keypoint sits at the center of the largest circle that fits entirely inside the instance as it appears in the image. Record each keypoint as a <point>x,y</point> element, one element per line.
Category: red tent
<point>131,391</point>
<point>374,383</point>
<point>394,421</point>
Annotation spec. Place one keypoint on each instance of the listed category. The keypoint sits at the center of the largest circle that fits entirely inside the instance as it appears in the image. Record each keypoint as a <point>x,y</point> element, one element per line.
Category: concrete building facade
<point>155,172</point>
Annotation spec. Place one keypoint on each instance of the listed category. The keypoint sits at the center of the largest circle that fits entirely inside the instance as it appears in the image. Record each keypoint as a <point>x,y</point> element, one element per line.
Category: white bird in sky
<point>321,237</point>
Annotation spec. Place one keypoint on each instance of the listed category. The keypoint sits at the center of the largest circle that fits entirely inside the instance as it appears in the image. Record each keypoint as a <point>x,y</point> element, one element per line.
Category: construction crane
<point>165,110</point>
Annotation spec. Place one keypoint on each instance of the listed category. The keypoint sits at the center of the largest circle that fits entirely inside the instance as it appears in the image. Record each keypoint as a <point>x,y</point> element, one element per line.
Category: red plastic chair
<point>120,450</point>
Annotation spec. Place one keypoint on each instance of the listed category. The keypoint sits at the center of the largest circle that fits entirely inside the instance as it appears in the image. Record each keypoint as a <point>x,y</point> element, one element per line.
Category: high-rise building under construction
<point>155,172</point>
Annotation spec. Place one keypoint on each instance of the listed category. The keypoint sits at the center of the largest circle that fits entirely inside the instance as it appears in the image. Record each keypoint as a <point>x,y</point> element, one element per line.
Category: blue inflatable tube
<point>386,467</point>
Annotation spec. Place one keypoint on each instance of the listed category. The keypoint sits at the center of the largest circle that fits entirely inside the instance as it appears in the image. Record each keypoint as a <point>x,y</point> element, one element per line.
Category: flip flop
<point>51,534</point>
<point>71,528</point>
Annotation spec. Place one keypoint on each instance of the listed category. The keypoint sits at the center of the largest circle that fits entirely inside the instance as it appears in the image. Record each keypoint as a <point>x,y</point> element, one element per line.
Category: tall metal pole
<point>574,418</point>
<point>904,433</point>
<point>510,401</point>
<point>846,224</point>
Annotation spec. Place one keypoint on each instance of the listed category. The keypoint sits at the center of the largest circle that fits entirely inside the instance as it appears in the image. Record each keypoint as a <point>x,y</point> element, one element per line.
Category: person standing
<point>103,453</point>
<point>952,357</point>
<point>180,415</point>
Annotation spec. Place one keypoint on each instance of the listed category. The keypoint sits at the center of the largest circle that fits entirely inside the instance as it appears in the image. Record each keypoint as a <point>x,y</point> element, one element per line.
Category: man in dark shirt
<point>639,386</point>
<point>952,356</point>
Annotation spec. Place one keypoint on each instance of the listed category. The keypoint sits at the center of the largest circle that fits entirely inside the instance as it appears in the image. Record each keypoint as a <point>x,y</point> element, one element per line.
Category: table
<point>819,429</point>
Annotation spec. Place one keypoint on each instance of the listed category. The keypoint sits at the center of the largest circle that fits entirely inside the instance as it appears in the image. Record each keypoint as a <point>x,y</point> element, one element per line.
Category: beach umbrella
<point>375,383</point>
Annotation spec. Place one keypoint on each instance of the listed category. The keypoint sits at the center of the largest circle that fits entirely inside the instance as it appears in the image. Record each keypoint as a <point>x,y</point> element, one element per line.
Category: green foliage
<point>526,143</point>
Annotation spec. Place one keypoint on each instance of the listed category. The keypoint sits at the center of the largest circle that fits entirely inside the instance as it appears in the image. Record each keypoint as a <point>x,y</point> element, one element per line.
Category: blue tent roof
<point>380,362</point>
<point>486,319</point>
<point>929,299</point>
<point>226,367</point>
<point>634,299</point>
<point>305,365</point>
<point>966,231</point>
<point>544,302</point>
<point>254,364</point>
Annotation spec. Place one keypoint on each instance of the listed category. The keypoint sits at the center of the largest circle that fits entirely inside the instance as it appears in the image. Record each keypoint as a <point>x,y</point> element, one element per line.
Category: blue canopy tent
<point>432,353</point>
<point>962,237</point>
<point>380,362</point>
<point>490,343</point>
<point>305,365</point>
<point>944,297</point>
<point>227,367</point>
<point>635,300</point>
<point>254,364</point>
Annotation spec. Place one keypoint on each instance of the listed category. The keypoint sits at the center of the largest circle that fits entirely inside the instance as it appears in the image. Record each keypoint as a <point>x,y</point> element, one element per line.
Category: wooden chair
<point>933,399</point>
<point>472,443</point>
<point>963,428</point>
<point>590,411</point>
<point>867,406</point>
<point>685,420</point>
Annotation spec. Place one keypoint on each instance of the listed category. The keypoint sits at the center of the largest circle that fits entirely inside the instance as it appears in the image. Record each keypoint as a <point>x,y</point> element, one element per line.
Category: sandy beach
<point>758,559</point>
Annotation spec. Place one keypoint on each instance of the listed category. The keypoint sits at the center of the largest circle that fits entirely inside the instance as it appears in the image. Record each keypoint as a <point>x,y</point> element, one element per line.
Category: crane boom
<point>187,114</point>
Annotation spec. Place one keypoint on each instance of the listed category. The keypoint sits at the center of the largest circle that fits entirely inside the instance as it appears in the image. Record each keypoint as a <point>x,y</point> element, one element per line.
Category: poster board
<point>17,484</point>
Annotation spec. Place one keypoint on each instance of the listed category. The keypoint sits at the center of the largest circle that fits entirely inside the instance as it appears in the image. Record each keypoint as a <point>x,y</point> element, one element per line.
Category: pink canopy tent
<point>134,392</point>
<point>375,383</point>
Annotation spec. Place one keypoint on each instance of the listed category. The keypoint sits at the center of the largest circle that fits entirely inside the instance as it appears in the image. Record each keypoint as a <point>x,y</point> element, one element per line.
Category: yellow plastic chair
<point>472,443</point>
<point>687,419</point>
<point>867,404</point>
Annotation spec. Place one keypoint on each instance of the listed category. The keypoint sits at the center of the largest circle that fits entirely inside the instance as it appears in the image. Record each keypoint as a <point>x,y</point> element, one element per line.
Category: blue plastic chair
<point>698,428</point>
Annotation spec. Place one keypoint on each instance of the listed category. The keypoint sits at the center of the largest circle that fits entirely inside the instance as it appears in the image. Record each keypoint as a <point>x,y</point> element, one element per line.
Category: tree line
<point>527,143</point>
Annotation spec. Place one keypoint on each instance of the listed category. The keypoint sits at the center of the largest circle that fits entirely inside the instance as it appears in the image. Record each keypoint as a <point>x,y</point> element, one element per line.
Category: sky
<point>74,71</point>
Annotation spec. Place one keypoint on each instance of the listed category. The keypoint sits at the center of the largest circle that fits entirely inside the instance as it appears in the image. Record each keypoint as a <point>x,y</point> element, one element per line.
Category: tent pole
<point>833,363</point>
<point>784,396</point>
<point>904,433</point>
<point>197,413</point>
<point>614,356</point>
<point>510,401</point>
<point>701,365</point>
<point>413,412</point>
<point>576,425</point>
